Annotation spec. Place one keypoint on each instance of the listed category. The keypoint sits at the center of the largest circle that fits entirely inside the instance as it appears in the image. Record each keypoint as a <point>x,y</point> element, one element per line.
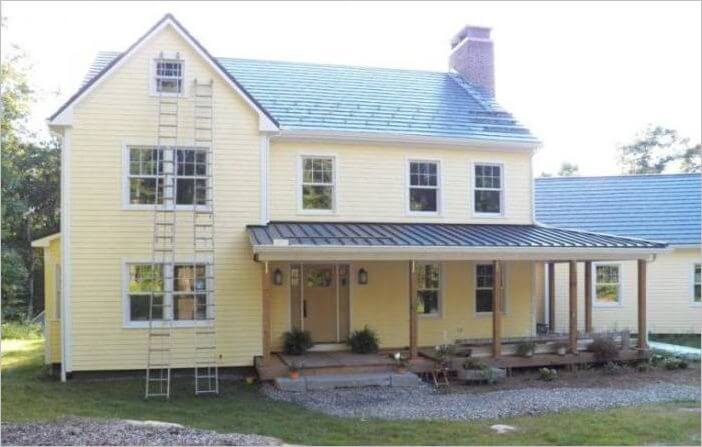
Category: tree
<point>30,187</point>
<point>691,159</point>
<point>568,170</point>
<point>652,151</point>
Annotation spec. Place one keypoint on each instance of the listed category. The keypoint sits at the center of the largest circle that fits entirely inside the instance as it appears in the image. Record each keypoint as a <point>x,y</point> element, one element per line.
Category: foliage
<point>364,341</point>
<point>297,342</point>
<point>488,374</point>
<point>28,396</point>
<point>691,159</point>
<point>472,363</point>
<point>612,368</point>
<point>654,148</point>
<point>30,189</point>
<point>568,170</point>
<point>16,330</point>
<point>604,348</point>
<point>674,363</point>
<point>548,374</point>
<point>401,361</point>
<point>526,348</point>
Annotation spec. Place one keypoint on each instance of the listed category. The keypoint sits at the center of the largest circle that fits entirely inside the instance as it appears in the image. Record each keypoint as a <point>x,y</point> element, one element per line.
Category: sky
<point>583,76</point>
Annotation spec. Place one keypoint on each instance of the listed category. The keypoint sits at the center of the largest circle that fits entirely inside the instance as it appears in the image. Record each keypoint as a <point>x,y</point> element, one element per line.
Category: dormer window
<point>169,76</point>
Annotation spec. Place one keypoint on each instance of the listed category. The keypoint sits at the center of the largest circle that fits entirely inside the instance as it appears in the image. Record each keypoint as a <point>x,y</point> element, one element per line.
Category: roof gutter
<point>398,138</point>
<point>443,253</point>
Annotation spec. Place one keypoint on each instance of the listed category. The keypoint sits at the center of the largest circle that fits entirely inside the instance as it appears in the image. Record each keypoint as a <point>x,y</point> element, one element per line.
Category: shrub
<point>472,363</point>
<point>604,348</point>
<point>674,363</point>
<point>612,368</point>
<point>21,331</point>
<point>548,374</point>
<point>364,341</point>
<point>488,374</point>
<point>297,342</point>
<point>526,348</point>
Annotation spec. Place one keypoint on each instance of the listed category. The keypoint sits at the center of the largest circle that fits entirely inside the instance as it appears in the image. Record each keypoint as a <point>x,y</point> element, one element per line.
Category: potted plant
<point>364,341</point>
<point>401,363</point>
<point>297,342</point>
<point>294,371</point>
<point>526,349</point>
<point>561,348</point>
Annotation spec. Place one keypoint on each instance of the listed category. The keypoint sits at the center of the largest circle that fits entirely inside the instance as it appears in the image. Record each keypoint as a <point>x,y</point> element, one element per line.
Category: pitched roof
<point>653,207</point>
<point>334,98</point>
<point>360,234</point>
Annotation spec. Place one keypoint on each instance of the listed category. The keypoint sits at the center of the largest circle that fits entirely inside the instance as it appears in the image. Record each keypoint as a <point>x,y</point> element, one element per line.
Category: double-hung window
<point>146,175</point>
<point>428,288</point>
<point>697,283</point>
<point>317,186</point>
<point>485,288</point>
<point>169,76</point>
<point>186,295</point>
<point>424,187</point>
<point>607,284</point>
<point>487,189</point>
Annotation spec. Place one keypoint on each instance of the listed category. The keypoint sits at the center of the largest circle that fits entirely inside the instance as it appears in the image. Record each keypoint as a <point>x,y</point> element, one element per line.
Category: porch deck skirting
<point>422,284</point>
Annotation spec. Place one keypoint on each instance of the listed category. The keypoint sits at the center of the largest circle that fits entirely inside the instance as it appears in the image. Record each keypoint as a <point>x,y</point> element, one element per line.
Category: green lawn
<point>27,395</point>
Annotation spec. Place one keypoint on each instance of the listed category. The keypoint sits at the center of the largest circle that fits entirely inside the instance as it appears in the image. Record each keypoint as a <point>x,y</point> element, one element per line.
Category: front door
<point>319,304</point>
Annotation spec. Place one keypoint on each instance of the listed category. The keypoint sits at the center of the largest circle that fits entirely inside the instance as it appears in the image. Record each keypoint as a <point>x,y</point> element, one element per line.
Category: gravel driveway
<point>81,431</point>
<point>425,403</point>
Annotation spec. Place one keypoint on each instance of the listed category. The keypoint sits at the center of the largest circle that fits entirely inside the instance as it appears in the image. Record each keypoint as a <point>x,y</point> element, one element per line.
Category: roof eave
<point>400,138</point>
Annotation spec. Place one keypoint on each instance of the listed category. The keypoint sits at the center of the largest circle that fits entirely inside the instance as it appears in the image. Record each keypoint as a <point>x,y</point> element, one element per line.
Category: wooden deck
<point>334,362</point>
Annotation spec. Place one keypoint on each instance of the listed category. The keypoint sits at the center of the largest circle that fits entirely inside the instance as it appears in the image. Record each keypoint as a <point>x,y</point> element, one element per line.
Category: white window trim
<point>168,56</point>
<point>127,206</point>
<point>694,303</point>
<point>439,187</point>
<point>593,285</point>
<point>503,272</point>
<point>334,184</point>
<point>472,202</point>
<point>440,298</point>
<point>167,297</point>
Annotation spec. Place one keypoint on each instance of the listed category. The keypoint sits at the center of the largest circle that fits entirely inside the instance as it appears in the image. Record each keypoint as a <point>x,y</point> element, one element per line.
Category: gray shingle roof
<point>654,207</point>
<point>434,235</point>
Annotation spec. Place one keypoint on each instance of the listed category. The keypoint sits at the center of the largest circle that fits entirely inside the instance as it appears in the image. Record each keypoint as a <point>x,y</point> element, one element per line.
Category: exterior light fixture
<point>277,277</point>
<point>362,276</point>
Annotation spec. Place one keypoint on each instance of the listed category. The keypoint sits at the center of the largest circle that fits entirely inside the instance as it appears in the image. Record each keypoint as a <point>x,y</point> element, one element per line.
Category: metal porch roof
<point>367,234</point>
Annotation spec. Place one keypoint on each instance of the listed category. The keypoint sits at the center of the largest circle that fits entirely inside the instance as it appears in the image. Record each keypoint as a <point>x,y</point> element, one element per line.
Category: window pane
<point>317,197</point>
<point>201,306</point>
<point>184,281</point>
<point>423,199</point>
<point>487,201</point>
<point>483,300</point>
<point>484,276</point>
<point>184,191</point>
<point>698,292</point>
<point>318,277</point>
<point>183,307</point>
<point>168,85</point>
<point>428,276</point>
<point>145,278</point>
<point>427,301</point>
<point>607,293</point>
<point>698,273</point>
<point>139,307</point>
<point>607,274</point>
<point>423,174</point>
<point>142,191</point>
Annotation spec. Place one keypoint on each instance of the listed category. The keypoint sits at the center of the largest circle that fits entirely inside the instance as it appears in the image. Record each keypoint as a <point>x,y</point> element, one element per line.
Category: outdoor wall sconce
<point>277,277</point>
<point>362,277</point>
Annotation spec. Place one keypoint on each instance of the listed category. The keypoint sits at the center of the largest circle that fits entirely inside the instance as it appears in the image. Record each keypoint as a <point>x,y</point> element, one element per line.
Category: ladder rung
<point>159,366</point>
<point>159,349</point>
<point>203,96</point>
<point>202,117</point>
<point>200,348</point>
<point>159,335</point>
<point>205,332</point>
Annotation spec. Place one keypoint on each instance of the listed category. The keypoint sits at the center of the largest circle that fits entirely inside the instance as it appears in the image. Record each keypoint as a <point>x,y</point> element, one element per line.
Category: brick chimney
<point>472,57</point>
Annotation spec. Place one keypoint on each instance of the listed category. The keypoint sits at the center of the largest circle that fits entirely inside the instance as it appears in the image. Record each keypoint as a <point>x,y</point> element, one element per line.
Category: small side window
<point>607,284</point>
<point>169,76</point>
<point>697,284</point>
<point>317,184</point>
<point>487,190</point>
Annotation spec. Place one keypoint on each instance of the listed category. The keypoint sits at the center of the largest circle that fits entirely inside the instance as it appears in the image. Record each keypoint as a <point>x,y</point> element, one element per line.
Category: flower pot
<point>294,375</point>
<point>561,350</point>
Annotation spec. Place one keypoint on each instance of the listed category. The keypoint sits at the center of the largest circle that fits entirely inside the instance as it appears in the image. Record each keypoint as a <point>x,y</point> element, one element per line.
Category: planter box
<point>476,375</point>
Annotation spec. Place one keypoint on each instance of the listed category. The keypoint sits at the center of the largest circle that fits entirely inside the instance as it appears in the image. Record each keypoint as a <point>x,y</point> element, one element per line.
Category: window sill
<point>178,208</point>
<point>432,315</point>
<point>423,213</point>
<point>304,212</point>
<point>154,93</point>
<point>499,215</point>
<point>486,314</point>
<point>175,324</point>
<point>607,306</point>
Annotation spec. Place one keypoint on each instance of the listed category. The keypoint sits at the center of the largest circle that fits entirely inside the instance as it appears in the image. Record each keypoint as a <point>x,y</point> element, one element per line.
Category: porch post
<point>496,309</point>
<point>266,310</point>
<point>588,296</point>
<point>642,330</point>
<point>573,306</point>
<point>552,296</point>
<point>414,319</point>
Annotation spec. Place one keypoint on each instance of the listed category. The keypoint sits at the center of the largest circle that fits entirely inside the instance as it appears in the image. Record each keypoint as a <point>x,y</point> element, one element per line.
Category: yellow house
<point>343,197</point>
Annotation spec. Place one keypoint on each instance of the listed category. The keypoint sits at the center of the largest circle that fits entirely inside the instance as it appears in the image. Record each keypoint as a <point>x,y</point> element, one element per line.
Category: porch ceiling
<point>290,241</point>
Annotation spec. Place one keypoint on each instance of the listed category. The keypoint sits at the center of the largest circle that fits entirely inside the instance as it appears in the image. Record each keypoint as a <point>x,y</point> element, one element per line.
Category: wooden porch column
<point>642,330</point>
<point>588,296</point>
<point>266,310</point>
<point>573,306</point>
<point>414,318</point>
<point>551,296</point>
<point>496,309</point>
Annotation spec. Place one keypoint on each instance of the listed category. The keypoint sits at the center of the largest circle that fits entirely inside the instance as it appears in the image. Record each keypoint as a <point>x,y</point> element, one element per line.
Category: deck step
<point>336,381</point>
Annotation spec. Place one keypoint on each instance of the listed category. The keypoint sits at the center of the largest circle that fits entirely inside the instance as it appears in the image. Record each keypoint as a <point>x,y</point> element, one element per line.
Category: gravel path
<point>425,403</point>
<point>81,431</point>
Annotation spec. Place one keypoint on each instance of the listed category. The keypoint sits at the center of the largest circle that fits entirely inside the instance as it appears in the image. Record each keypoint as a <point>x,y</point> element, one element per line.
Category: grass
<point>18,330</point>
<point>690,340</point>
<point>29,395</point>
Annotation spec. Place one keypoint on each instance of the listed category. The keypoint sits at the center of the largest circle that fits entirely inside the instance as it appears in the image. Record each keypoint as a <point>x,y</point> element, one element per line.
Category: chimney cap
<point>471,31</point>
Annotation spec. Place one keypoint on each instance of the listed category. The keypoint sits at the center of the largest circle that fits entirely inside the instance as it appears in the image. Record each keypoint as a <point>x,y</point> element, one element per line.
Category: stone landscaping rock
<point>477,375</point>
<point>501,429</point>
